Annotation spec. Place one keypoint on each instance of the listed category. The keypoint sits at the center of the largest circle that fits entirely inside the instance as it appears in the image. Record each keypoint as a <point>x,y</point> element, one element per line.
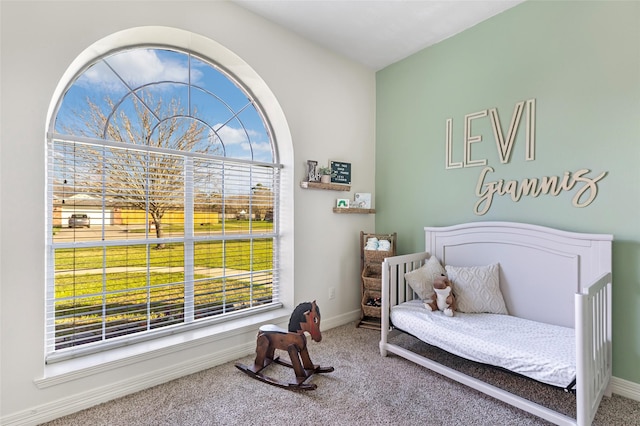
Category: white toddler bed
<point>556,287</point>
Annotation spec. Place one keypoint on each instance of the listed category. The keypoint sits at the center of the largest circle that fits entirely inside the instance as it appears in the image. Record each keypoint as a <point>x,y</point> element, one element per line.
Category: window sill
<point>84,366</point>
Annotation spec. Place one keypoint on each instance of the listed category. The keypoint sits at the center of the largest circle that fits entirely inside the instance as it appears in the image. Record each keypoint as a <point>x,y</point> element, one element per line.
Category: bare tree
<point>144,179</point>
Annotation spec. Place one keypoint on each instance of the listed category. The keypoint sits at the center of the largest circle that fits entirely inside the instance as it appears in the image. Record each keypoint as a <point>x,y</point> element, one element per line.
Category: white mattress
<point>543,352</point>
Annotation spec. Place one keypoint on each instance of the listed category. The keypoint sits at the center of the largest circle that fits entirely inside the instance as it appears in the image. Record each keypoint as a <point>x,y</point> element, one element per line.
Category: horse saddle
<point>272,328</point>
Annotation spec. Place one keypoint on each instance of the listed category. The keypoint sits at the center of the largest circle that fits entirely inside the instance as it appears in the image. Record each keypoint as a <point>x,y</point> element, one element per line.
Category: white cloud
<point>231,135</point>
<point>262,147</point>
<point>235,141</point>
<point>138,67</point>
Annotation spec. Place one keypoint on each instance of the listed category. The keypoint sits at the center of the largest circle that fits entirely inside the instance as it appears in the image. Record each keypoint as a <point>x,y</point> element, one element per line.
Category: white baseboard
<point>343,319</point>
<point>625,388</point>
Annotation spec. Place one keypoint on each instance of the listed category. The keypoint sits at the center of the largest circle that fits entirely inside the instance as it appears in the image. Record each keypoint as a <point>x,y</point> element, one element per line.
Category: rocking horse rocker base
<point>271,337</point>
<point>299,385</point>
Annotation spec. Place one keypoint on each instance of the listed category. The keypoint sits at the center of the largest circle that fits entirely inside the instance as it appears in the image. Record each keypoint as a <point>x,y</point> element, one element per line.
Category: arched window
<point>163,188</point>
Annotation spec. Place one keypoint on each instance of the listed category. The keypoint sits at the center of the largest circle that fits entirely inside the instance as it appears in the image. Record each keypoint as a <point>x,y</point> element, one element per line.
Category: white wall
<point>328,102</point>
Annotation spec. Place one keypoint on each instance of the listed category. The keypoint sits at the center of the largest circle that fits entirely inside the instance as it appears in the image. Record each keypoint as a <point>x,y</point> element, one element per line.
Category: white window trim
<point>255,84</point>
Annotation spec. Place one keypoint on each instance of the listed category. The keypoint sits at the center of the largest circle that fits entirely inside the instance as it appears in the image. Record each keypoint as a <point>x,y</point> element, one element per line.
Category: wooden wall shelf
<point>352,210</point>
<point>329,186</point>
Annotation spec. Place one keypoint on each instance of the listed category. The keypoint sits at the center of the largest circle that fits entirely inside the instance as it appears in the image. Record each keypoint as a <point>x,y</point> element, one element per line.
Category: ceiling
<point>377,33</point>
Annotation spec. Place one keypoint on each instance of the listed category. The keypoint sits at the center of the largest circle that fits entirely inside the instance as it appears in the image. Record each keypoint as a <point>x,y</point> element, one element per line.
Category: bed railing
<point>394,285</point>
<point>593,347</point>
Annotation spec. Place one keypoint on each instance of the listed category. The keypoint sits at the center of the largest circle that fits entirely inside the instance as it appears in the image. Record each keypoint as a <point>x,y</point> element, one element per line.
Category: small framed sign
<point>340,172</point>
<point>312,174</point>
<point>342,203</point>
<point>362,200</point>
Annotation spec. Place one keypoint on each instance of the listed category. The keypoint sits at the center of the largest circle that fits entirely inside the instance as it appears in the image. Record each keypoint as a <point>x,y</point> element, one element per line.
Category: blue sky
<point>234,123</point>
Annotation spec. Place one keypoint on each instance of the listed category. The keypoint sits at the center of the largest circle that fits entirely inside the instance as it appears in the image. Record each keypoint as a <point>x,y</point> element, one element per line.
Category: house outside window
<point>163,183</point>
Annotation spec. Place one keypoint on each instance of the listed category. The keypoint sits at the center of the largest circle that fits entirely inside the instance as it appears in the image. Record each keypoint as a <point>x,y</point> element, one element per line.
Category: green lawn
<point>85,291</point>
<point>229,225</point>
<point>133,301</point>
<point>136,306</point>
<point>206,254</point>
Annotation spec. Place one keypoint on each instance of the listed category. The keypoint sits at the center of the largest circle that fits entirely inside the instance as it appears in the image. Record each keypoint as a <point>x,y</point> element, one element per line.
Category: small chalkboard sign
<point>340,172</point>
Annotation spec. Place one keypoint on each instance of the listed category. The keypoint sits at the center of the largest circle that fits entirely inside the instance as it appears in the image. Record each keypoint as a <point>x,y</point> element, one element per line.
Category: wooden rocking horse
<point>305,318</point>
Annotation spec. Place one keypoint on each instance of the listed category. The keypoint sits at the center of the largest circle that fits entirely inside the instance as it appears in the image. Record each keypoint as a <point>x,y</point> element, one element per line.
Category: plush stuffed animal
<point>445,299</point>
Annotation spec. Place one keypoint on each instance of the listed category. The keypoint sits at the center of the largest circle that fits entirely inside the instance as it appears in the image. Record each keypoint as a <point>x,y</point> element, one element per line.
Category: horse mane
<point>298,315</point>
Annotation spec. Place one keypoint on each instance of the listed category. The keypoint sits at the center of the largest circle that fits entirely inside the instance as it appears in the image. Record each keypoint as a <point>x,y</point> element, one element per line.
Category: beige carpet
<point>365,389</point>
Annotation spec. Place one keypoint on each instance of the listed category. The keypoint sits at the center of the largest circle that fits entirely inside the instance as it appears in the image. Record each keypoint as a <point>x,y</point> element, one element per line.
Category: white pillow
<point>421,279</point>
<point>477,288</point>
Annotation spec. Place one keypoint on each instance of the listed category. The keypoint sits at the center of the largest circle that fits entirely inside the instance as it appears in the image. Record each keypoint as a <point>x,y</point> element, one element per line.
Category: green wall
<point>580,61</point>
